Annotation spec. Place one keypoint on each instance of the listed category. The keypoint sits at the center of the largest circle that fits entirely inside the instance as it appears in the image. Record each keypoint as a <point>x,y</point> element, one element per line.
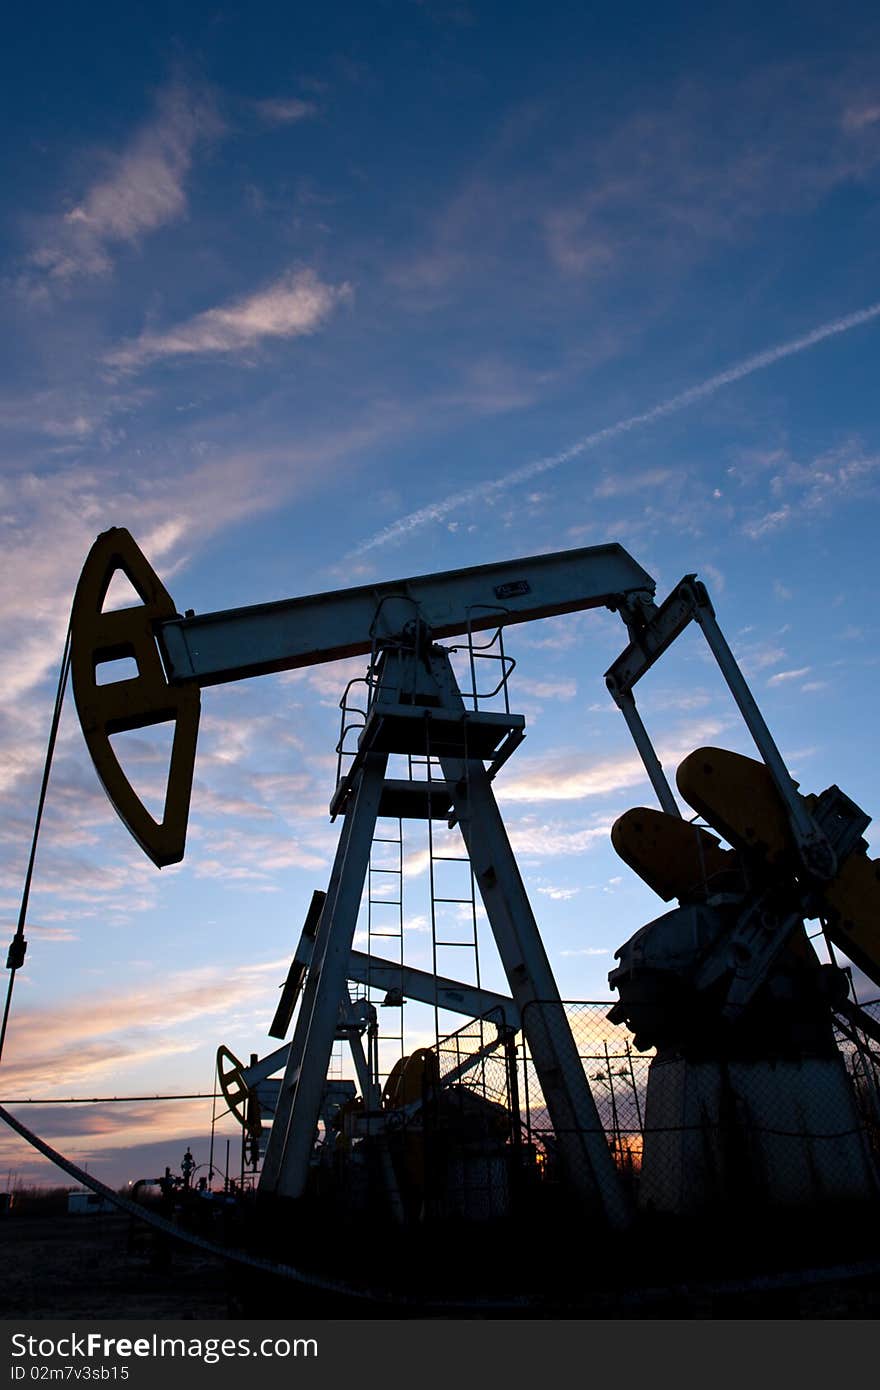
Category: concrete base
<point>775,1133</point>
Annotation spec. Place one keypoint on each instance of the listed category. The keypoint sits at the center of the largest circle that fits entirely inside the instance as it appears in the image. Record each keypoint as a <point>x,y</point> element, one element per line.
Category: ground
<point>81,1267</point>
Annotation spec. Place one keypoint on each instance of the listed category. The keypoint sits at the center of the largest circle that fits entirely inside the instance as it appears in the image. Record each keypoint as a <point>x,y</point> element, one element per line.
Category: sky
<point>309,296</point>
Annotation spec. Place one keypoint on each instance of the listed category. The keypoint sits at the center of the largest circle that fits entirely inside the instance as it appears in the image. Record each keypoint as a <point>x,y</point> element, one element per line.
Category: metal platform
<point>418,731</point>
<point>403,799</point>
<point>488,735</point>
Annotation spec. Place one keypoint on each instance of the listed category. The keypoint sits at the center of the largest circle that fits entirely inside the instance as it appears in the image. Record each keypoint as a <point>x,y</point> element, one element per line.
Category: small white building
<point>82,1202</point>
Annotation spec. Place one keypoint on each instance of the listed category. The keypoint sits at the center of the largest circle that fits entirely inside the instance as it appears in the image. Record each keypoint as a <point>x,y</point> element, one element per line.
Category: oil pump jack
<point>720,969</point>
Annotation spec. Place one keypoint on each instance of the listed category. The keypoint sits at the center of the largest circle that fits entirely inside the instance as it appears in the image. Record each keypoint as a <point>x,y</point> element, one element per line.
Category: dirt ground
<point>81,1267</point>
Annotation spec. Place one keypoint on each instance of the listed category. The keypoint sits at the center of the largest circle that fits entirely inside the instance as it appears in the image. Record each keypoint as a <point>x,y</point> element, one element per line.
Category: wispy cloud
<point>143,189</point>
<point>857,118</point>
<point>117,1143</point>
<point>329,681</point>
<point>571,248</point>
<point>661,186</point>
<point>296,304</point>
<point>624,484</point>
<point>678,179</point>
<point>566,776</point>
<point>549,840</point>
<point>782,676</point>
<point>562,689</point>
<point>92,1037</point>
<point>754,656</point>
<point>285,110</point>
<point>801,490</point>
<point>438,511</point>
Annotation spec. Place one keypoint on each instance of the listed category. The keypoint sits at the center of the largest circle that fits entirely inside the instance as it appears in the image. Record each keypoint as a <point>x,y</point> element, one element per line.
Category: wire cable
<point>18,945</point>
<point>612,1300</point>
<point>103,1100</point>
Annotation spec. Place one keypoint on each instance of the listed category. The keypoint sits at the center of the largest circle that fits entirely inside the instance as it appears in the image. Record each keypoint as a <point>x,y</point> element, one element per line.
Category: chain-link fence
<point>860,1052</point>
<point>477,1126</point>
<point>617,1078</point>
<point>687,1135</point>
<point>473,1131</point>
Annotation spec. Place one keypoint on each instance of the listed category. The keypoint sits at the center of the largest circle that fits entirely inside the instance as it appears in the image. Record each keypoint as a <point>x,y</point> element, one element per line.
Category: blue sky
<point>304,298</point>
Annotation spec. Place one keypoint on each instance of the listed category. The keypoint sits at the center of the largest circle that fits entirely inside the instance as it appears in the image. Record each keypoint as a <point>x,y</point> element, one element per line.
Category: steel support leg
<point>576,1122</point>
<point>292,1137</point>
<point>640,737</point>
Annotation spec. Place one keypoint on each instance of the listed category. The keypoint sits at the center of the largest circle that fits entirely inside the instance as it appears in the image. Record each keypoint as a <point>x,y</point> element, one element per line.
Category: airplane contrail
<point>436,511</point>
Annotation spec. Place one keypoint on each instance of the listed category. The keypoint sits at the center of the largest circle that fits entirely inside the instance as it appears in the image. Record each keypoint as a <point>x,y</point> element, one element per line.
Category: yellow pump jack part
<point>410,1077</point>
<point>853,903</point>
<point>674,857</point>
<point>738,798</point>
